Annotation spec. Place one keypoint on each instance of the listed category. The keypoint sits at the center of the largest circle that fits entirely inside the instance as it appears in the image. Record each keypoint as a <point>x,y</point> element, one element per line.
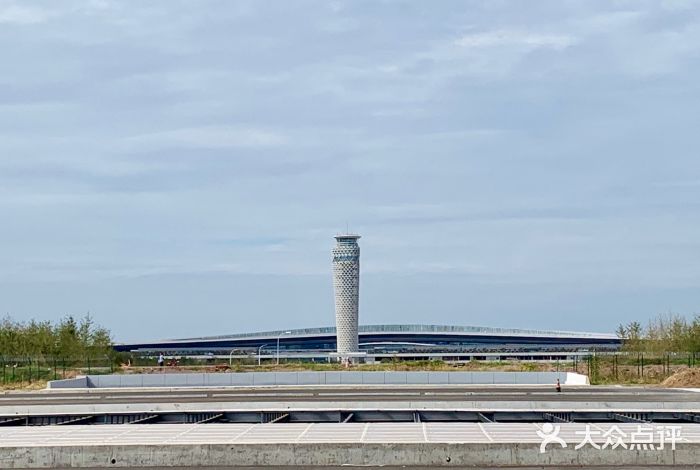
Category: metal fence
<point>641,367</point>
<point>31,369</point>
<point>600,367</point>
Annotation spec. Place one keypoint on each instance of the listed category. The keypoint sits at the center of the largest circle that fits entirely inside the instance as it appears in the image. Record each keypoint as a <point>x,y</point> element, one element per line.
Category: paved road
<point>354,393</point>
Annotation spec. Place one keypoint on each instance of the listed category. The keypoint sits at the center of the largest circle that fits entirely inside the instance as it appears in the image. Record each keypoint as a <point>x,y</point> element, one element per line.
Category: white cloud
<point>678,184</point>
<point>495,142</point>
<point>209,137</point>
<point>638,43</point>
<point>22,15</point>
<point>504,38</point>
<point>100,4</point>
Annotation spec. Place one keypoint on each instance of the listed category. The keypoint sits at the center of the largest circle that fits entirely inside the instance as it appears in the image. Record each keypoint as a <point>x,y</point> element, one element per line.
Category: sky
<point>179,168</point>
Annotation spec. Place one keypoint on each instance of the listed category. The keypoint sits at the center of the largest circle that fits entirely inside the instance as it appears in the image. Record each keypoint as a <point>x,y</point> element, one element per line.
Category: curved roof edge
<point>408,329</point>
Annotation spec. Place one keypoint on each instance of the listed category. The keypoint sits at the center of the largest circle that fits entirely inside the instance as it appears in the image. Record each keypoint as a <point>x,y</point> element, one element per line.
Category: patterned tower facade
<point>346,285</point>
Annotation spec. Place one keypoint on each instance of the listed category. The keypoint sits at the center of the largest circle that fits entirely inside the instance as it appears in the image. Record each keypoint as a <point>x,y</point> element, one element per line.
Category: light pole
<point>278,344</point>
<point>230,357</point>
<point>260,352</point>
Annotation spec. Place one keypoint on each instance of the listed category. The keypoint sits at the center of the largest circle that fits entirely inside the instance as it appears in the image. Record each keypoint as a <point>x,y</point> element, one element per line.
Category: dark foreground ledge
<point>417,455</point>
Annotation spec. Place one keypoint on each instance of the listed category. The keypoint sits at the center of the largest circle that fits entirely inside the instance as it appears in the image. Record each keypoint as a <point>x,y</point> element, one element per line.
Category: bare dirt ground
<point>36,385</point>
<point>685,378</point>
<point>399,366</point>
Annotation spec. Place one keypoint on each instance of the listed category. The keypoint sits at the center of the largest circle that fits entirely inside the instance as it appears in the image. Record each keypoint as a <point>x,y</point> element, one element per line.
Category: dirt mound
<point>685,378</point>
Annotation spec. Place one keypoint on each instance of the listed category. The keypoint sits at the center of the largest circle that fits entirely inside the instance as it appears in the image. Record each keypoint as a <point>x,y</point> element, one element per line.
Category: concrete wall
<point>78,382</point>
<point>511,455</point>
<point>318,378</point>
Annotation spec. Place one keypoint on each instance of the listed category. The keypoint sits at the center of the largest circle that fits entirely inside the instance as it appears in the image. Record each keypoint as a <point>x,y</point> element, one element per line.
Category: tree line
<point>665,333</point>
<point>68,338</point>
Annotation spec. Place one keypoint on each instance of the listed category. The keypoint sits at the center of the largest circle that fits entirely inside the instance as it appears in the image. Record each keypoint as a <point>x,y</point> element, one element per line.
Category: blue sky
<point>180,168</point>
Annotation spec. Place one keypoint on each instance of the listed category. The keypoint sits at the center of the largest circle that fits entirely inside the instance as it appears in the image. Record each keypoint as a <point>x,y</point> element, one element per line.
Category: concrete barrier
<point>324,455</point>
<point>78,382</point>
<point>319,378</point>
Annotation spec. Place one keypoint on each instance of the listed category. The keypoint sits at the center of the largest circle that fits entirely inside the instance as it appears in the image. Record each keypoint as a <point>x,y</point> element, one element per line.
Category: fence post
<point>88,364</point>
<point>29,369</point>
<point>663,363</point>
<point>55,372</point>
<point>642,355</point>
<point>588,366</point>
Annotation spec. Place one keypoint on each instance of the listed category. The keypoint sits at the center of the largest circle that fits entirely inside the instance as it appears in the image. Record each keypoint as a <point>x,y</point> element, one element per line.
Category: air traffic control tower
<point>346,285</point>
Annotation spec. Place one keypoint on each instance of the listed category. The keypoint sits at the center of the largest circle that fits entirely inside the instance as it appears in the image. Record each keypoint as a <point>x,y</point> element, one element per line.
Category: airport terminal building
<point>408,341</point>
<point>349,340</point>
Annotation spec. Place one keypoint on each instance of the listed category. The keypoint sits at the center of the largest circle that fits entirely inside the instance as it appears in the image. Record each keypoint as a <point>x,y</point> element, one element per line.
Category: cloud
<point>504,141</point>
<point>678,184</point>
<point>211,137</point>
<point>22,15</point>
<point>506,38</point>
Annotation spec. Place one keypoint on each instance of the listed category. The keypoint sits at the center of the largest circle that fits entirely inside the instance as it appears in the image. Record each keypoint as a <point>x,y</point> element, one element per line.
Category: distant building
<point>346,285</point>
<point>449,342</point>
<point>418,342</point>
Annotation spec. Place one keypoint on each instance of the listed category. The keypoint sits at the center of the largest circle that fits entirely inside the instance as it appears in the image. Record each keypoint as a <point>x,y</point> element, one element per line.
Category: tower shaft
<point>346,286</point>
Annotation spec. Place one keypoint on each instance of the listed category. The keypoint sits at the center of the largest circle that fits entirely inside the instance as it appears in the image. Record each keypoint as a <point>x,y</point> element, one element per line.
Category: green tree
<point>69,338</point>
<point>621,332</point>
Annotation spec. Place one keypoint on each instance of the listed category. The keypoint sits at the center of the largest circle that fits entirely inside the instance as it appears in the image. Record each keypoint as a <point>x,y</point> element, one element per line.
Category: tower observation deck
<point>346,286</point>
